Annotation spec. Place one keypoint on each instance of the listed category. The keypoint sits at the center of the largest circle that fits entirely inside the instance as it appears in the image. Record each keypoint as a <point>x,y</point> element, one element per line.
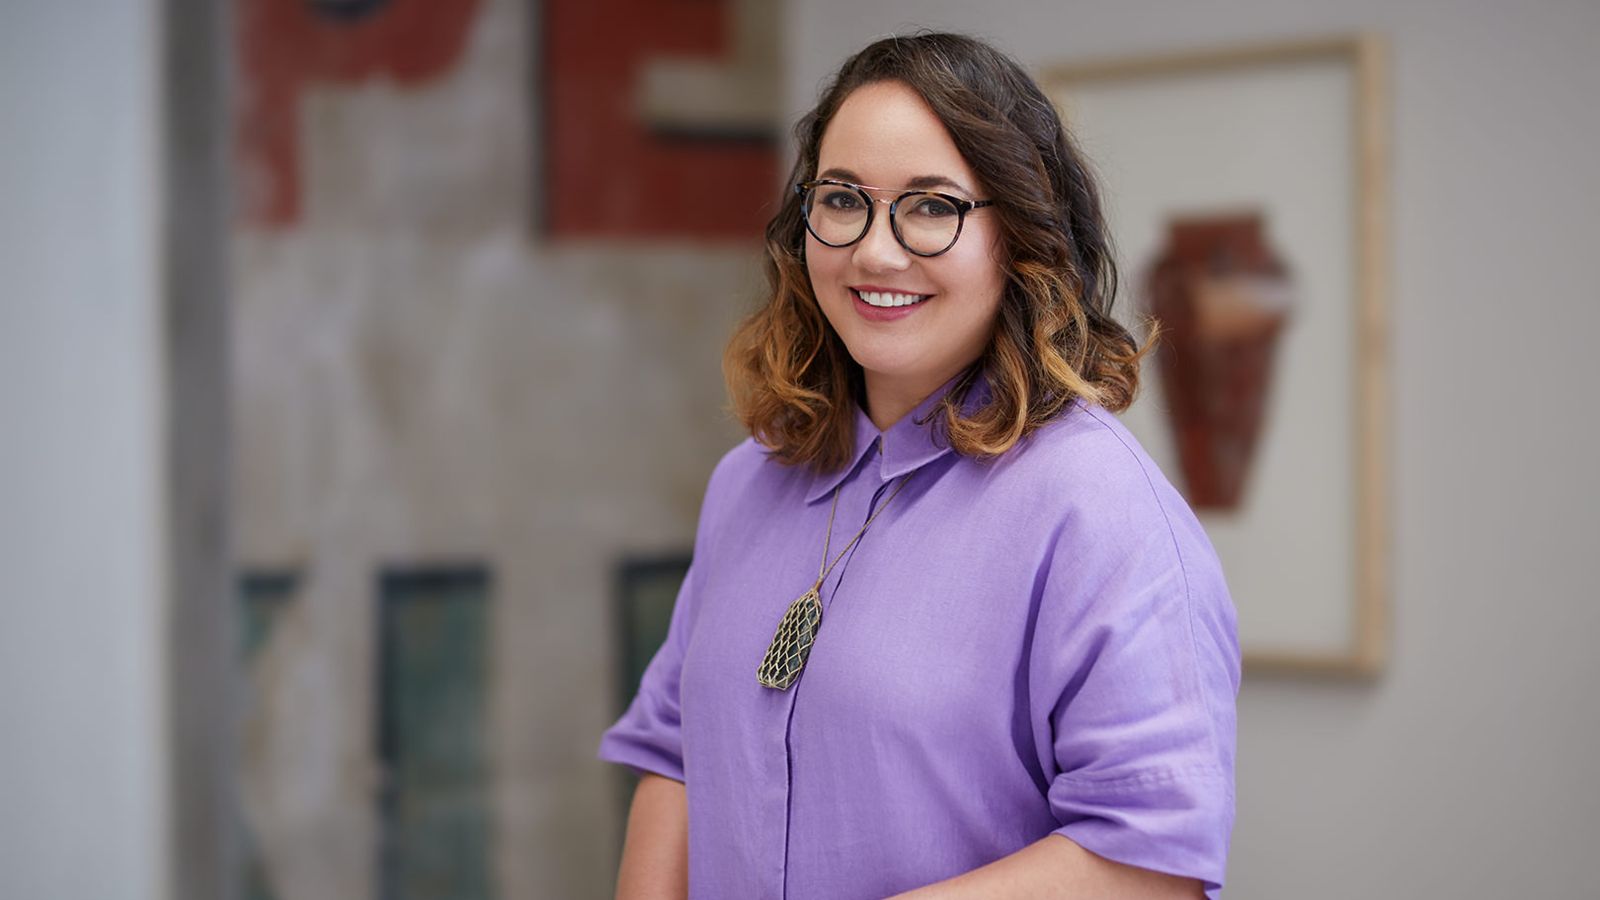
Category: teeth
<point>885,299</point>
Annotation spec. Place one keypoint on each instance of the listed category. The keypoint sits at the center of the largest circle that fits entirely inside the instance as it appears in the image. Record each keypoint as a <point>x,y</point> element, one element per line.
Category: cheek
<point>981,276</point>
<point>809,255</point>
<point>823,266</point>
<point>995,254</point>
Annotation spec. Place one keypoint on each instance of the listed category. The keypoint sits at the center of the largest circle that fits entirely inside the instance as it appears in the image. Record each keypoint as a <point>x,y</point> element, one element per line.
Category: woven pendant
<point>792,642</point>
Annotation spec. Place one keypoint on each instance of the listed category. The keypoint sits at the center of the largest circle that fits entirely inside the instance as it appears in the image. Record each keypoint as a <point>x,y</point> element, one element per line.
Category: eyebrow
<point>919,183</point>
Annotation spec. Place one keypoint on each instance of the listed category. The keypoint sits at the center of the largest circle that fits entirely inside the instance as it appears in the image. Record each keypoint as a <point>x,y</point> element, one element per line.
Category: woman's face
<point>884,135</point>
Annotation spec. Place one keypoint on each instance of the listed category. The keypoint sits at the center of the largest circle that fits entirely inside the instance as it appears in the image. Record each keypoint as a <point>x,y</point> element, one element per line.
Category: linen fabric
<point>1038,643</point>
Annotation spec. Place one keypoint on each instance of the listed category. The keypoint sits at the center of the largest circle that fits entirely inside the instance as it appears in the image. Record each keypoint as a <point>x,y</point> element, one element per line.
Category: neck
<point>889,399</point>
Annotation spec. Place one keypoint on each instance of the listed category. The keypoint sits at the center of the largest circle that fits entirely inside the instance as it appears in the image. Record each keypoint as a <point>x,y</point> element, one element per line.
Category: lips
<point>878,305</point>
<point>888,299</point>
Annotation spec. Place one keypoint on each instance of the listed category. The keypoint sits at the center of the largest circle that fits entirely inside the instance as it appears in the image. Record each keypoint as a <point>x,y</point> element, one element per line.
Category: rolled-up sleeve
<point>1134,674</point>
<point>649,736</point>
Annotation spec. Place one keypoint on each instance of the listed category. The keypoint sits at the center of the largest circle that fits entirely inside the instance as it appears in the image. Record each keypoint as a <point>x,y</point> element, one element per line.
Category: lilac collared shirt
<point>1041,643</point>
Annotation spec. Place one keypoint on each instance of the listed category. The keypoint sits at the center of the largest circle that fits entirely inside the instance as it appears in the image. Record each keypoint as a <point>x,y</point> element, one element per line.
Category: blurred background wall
<point>84,493</point>
<point>457,409</point>
<point>441,375</point>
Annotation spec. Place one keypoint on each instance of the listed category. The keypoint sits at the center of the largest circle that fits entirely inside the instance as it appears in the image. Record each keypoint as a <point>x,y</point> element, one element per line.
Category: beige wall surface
<point>1467,769</point>
<point>420,378</point>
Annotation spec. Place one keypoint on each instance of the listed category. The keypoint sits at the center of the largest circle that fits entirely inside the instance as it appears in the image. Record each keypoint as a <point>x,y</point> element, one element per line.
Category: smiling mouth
<point>888,299</point>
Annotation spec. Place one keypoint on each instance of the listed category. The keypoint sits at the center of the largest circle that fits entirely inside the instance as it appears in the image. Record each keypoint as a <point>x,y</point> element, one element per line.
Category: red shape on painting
<point>607,174</point>
<point>1223,297</point>
<point>285,45</point>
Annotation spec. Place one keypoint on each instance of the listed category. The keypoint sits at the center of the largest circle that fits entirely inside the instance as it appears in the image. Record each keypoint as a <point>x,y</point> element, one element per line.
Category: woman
<point>948,632</point>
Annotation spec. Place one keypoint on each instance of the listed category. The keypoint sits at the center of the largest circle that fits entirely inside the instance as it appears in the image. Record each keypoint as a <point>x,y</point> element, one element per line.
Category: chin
<point>885,362</point>
<point>896,370</point>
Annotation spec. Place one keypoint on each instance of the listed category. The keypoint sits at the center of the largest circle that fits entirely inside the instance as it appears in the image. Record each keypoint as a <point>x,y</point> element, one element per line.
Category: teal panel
<point>647,592</point>
<point>263,599</point>
<point>432,735</point>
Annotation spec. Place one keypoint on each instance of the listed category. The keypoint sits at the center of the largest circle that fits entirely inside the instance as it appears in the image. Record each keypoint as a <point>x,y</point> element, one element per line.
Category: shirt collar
<point>914,441</point>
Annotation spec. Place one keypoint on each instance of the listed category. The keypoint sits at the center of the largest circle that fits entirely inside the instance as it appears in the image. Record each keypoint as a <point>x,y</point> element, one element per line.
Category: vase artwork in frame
<point>1245,192</point>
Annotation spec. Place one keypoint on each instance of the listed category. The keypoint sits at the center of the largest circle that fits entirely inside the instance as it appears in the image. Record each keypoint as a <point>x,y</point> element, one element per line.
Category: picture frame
<point>1284,143</point>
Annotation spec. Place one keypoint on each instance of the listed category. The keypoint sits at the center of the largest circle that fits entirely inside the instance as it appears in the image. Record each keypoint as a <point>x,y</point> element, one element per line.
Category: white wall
<point>81,530</point>
<point>1468,769</point>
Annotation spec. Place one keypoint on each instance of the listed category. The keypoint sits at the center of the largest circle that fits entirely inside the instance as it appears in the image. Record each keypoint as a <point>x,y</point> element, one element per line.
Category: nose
<point>878,251</point>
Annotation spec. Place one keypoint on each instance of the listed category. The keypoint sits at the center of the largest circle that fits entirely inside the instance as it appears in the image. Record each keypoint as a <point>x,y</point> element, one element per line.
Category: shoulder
<point>1086,455</point>
<point>1085,472</point>
<point>742,467</point>
<point>1117,520</point>
<point>747,480</point>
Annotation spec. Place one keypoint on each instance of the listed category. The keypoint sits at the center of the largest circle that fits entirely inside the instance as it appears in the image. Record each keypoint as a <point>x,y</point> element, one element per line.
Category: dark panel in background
<point>432,735</point>
<point>264,597</point>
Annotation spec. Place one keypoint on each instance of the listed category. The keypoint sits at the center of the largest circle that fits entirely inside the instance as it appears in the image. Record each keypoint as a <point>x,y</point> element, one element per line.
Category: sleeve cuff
<point>1176,823</point>
<point>641,758</point>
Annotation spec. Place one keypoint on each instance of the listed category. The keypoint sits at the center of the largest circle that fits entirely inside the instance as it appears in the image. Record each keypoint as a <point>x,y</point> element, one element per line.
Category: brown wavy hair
<point>790,378</point>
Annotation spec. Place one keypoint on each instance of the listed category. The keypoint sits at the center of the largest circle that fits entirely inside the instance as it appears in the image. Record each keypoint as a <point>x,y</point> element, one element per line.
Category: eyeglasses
<point>926,223</point>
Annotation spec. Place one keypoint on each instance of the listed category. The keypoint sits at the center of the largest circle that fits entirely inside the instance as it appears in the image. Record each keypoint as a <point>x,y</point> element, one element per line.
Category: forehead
<point>886,135</point>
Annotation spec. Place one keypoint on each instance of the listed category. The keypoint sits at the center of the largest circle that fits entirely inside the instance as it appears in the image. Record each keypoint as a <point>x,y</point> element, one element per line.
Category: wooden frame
<point>1361,650</point>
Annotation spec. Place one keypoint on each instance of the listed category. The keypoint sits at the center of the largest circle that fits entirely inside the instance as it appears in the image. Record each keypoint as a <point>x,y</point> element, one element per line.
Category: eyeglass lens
<point>925,223</point>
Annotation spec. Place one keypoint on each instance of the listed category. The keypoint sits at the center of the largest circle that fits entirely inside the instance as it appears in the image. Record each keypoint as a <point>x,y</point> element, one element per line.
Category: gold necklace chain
<point>822,571</point>
<point>797,630</point>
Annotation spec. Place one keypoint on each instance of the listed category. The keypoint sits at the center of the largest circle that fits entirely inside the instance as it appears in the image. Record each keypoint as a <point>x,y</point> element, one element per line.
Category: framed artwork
<point>1246,190</point>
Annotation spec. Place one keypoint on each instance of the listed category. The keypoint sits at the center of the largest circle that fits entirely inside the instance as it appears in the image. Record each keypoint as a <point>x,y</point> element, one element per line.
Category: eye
<point>838,198</point>
<point>932,207</point>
